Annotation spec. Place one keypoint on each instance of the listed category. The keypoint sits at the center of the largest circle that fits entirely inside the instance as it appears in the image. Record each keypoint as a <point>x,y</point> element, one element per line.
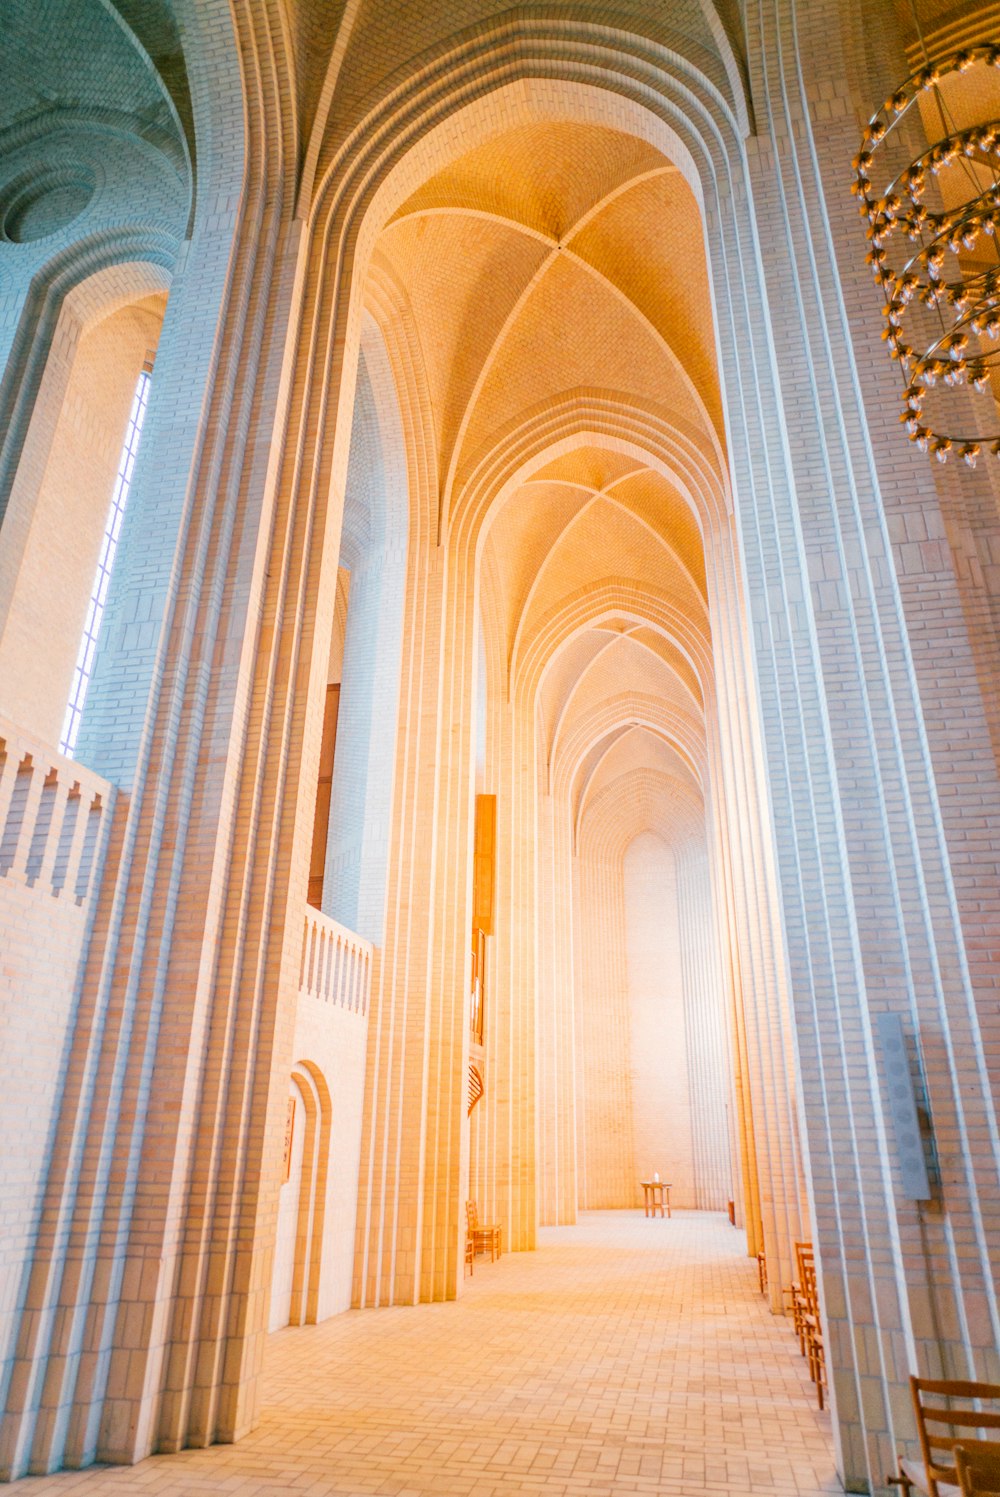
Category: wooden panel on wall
<point>317,863</point>
<point>484,864</point>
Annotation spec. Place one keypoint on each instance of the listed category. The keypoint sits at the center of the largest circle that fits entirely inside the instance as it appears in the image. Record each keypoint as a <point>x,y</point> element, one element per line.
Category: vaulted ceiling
<point>564,262</point>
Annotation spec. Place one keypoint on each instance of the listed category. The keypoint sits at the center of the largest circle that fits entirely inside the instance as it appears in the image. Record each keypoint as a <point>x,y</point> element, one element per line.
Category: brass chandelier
<point>927,214</point>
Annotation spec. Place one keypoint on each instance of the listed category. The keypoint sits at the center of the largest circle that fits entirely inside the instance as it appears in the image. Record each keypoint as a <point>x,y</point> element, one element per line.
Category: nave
<point>624,1356</point>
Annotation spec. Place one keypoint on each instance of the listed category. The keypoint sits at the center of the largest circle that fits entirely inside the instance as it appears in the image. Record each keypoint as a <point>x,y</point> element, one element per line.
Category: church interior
<point>499,746</point>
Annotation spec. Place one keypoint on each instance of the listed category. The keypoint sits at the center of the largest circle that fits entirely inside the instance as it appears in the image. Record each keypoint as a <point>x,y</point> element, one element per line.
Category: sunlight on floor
<point>626,1356</point>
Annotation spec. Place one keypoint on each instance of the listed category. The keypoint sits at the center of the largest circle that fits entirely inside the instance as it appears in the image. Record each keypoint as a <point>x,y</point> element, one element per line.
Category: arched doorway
<point>296,1273</point>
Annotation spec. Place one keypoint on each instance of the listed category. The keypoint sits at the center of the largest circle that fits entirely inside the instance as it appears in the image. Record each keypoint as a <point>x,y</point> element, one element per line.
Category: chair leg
<point>817,1371</point>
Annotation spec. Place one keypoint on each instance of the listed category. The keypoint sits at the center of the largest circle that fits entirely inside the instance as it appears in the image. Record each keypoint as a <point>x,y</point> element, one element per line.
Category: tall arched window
<point>105,564</point>
<point>68,495</point>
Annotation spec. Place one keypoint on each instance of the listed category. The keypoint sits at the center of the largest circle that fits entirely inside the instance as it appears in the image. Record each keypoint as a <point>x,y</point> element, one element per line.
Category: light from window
<point>109,546</point>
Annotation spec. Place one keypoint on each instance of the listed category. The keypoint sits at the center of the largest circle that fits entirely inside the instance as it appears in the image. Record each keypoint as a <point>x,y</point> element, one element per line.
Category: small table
<point>655,1195</point>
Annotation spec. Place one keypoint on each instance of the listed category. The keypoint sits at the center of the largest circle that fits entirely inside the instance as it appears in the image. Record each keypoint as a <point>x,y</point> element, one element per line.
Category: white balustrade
<point>336,963</point>
<point>53,812</point>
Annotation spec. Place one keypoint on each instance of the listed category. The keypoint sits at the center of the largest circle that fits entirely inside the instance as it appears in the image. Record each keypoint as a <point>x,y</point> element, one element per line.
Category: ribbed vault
<point>552,261</point>
<point>521,266</point>
<point>536,262</point>
<point>555,286</point>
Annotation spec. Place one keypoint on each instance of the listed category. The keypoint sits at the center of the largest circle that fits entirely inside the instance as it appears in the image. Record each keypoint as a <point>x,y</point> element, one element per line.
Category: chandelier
<point>934,230</point>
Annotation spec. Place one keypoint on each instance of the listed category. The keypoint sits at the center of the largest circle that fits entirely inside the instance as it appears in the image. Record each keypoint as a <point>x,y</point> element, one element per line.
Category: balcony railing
<point>53,813</point>
<point>336,965</point>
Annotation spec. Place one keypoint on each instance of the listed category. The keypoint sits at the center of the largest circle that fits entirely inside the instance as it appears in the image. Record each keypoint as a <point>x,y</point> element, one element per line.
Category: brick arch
<point>687,739</point>
<point>315,1093</point>
<point>132,261</point>
<point>603,418</point>
<point>383,509</point>
<point>346,202</point>
<point>694,711</point>
<point>638,801</point>
<point>648,90</point>
<point>489,39</point>
<point>483,84</point>
<point>60,477</point>
<point>146,26</point>
<point>610,597</point>
<point>602,746</point>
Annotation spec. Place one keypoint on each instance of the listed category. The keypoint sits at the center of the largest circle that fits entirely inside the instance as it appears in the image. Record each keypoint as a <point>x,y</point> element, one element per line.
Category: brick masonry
<point>552,329</point>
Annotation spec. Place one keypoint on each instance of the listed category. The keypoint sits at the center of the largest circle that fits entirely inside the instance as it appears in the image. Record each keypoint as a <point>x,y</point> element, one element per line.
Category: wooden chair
<point>762,1272</point>
<point>978,1465</point>
<point>797,1290</point>
<point>483,1235</point>
<point>470,1255</point>
<point>812,1328</point>
<point>941,1424</point>
<point>804,1301</point>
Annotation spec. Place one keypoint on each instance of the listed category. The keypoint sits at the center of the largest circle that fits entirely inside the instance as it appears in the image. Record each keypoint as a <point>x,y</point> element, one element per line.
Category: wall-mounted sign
<point>902,1108</point>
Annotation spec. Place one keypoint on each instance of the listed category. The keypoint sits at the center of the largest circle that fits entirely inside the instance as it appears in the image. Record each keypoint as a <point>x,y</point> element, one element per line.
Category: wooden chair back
<point>978,1465</point>
<point>803,1290</point>
<point>945,1412</point>
<point>483,1234</point>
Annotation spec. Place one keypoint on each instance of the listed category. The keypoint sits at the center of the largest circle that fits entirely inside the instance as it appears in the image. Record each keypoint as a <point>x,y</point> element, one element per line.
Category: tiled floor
<point>626,1356</point>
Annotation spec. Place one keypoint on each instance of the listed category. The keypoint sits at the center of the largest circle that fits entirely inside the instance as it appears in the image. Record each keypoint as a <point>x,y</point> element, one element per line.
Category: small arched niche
<point>298,1247</point>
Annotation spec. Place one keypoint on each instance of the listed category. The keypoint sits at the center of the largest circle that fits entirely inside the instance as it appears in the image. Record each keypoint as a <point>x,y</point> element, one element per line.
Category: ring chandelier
<point>950,310</point>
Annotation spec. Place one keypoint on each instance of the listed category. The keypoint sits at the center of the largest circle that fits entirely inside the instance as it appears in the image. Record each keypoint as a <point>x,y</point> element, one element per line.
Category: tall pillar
<point>763,1022</point>
<point>558,1183</point>
<point>411,1219</point>
<point>142,1325</point>
<point>512,1019</point>
<point>876,719</point>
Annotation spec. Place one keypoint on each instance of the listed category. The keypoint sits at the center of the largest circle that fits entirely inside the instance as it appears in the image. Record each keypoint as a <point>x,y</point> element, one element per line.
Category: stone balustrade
<point>53,813</point>
<point>336,964</point>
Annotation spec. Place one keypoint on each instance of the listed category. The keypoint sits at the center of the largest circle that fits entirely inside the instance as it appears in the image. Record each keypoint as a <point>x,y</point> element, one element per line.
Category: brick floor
<point>626,1356</point>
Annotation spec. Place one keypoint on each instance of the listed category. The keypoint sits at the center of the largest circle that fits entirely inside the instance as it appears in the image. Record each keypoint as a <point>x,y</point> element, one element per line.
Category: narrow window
<point>109,546</point>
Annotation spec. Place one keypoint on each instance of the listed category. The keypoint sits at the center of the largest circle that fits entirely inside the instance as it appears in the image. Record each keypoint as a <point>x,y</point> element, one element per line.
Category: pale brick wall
<point>331,1032</point>
<point>821,608</point>
<point>606,1135</point>
<point>287,1228</point>
<point>709,1067</point>
<point>55,822</point>
<point>661,1092</point>
<point>337,1048</point>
